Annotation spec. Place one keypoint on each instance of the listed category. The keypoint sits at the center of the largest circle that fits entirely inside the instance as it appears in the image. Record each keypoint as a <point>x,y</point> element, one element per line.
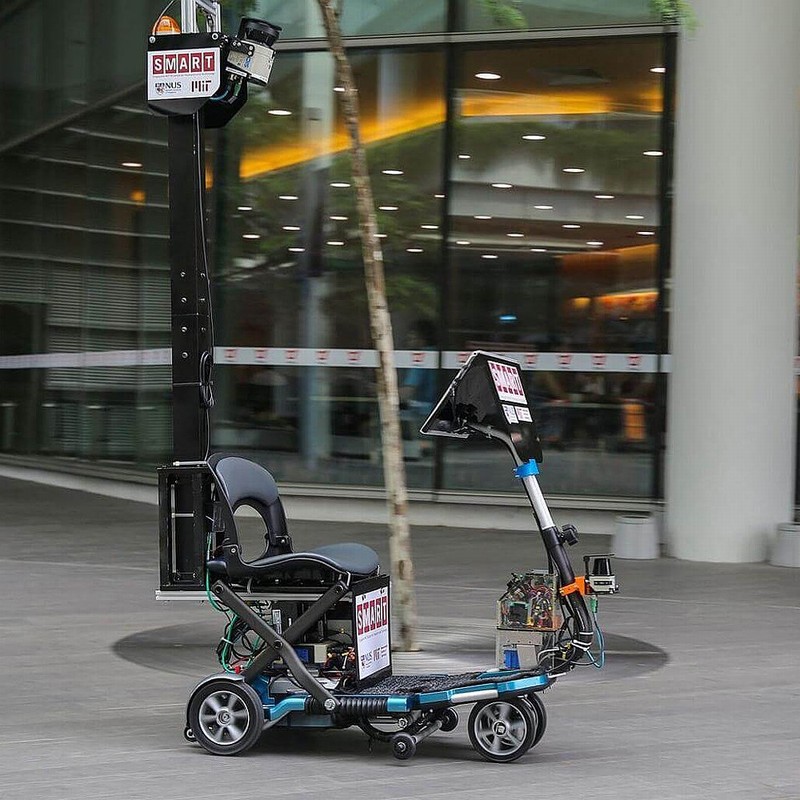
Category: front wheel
<point>502,730</point>
<point>226,717</point>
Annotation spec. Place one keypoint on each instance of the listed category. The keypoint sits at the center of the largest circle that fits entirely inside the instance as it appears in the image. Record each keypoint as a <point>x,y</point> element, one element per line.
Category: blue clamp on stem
<point>524,470</point>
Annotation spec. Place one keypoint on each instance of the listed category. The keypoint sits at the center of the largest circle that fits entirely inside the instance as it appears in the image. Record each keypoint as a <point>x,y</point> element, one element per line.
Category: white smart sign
<point>372,631</point>
<point>182,74</point>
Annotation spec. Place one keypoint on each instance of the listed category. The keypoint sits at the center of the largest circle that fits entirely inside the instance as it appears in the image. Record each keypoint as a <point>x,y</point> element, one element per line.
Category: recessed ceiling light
<point>381,235</point>
<point>573,170</point>
<point>297,249</point>
<point>653,153</point>
<point>340,185</point>
<point>338,88</point>
<point>251,236</point>
<point>291,227</point>
<point>646,233</point>
<point>338,218</point>
<point>488,76</point>
<point>336,243</point>
<point>464,156</point>
<point>658,70</point>
<point>287,197</point>
<point>280,112</point>
<point>534,137</point>
<point>571,226</point>
<point>132,164</point>
<point>481,216</point>
<point>388,208</point>
<point>414,250</point>
<point>429,227</point>
<point>502,185</point>
<point>488,255</point>
<point>605,196</point>
<point>439,196</point>
<point>462,242</point>
<point>594,244</point>
<point>634,216</point>
<point>244,208</point>
<point>544,208</point>
<point>515,235</point>
<point>538,249</point>
<point>392,171</point>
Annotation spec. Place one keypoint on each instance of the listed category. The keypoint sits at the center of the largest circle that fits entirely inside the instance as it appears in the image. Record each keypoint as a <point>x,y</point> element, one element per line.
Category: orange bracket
<point>578,585</point>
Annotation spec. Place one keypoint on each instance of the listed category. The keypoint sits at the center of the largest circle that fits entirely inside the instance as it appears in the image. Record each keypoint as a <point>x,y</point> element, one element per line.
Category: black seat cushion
<point>357,559</point>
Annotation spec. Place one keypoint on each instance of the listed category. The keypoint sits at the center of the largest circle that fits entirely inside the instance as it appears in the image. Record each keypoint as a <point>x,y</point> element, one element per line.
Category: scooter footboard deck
<point>407,692</point>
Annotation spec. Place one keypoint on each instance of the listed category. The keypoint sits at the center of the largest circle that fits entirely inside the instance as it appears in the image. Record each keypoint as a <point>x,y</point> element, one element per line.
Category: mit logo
<point>194,62</point>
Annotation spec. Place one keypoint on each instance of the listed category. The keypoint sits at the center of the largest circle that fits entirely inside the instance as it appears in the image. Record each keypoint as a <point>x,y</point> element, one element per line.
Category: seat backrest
<point>242,482</point>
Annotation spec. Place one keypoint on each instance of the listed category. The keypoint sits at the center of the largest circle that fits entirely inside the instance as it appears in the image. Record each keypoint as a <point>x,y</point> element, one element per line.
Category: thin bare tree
<point>402,568</point>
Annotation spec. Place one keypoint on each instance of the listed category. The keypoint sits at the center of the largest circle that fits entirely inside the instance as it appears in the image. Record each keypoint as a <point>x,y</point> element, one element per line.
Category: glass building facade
<point>519,157</point>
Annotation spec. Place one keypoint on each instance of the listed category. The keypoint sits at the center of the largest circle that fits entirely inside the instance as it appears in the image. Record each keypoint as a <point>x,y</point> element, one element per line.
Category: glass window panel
<point>489,15</point>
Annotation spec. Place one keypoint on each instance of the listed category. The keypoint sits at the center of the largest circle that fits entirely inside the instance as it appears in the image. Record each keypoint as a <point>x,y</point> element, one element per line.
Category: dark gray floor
<point>701,698</point>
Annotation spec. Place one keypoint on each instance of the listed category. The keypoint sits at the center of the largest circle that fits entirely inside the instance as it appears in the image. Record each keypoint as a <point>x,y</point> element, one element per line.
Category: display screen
<point>487,392</point>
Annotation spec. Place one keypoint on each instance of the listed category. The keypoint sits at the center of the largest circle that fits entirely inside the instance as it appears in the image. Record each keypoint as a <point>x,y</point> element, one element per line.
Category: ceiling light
<point>488,76</point>
<point>338,218</point>
<point>287,197</point>
<point>605,196</point>
<point>508,318</point>
<point>291,227</point>
<point>244,208</point>
<point>502,185</point>
<point>463,242</point>
<point>488,255</point>
<point>279,112</point>
<point>515,235</point>
<point>336,243</point>
<point>132,164</point>
<point>634,216</point>
<point>381,235</point>
<point>464,156</point>
<point>658,70</point>
<point>429,227</point>
<point>481,216</point>
<point>534,137</point>
<point>338,88</point>
<point>392,171</point>
<point>646,233</point>
<point>439,196</point>
<point>571,226</point>
<point>297,249</point>
<point>414,250</point>
<point>340,185</point>
<point>544,208</point>
<point>594,244</point>
<point>251,236</point>
<point>573,170</point>
<point>538,249</point>
<point>388,208</point>
<point>653,153</point>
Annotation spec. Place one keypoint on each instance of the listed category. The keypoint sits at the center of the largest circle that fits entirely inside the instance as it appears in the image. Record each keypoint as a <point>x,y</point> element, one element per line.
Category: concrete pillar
<point>730,435</point>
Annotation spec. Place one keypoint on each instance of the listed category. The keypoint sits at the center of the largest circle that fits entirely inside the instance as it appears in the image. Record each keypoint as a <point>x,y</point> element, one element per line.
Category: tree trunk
<point>381,327</point>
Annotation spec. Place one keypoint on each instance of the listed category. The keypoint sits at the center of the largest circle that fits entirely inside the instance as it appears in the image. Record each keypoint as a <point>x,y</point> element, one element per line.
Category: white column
<point>731,431</point>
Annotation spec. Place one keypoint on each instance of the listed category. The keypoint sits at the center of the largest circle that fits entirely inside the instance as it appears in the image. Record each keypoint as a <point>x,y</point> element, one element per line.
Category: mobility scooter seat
<point>241,482</point>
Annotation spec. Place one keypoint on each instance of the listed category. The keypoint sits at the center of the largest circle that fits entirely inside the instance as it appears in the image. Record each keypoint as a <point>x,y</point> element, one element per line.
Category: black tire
<point>541,714</point>
<point>403,746</point>
<point>449,720</point>
<point>226,717</point>
<point>503,729</point>
<point>188,734</point>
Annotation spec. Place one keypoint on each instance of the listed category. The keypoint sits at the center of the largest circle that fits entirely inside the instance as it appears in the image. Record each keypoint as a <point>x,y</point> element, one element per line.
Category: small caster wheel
<point>403,746</point>
<point>188,734</point>
<point>541,716</point>
<point>225,716</point>
<point>502,730</point>
<point>449,720</point>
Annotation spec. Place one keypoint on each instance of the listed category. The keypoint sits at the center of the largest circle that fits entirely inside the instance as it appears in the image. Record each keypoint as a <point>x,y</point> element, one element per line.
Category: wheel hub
<point>500,728</point>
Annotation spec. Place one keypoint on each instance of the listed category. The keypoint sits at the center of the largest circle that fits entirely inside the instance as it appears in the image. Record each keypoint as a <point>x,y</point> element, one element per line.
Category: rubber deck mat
<point>415,684</point>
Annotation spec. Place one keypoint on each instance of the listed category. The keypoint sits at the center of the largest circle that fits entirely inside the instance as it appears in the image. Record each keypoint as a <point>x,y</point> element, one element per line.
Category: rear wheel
<point>502,730</point>
<point>226,717</point>
<point>541,716</point>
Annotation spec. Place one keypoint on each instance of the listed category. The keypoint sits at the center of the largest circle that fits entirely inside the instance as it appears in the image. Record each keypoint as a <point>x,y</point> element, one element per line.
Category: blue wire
<point>600,660</point>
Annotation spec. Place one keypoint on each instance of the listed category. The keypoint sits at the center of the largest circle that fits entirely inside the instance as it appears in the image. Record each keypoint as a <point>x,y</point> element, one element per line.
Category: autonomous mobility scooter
<point>307,640</point>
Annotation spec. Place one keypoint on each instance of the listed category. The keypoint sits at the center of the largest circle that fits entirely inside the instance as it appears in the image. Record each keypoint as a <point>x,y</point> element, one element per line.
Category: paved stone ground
<point>84,716</point>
